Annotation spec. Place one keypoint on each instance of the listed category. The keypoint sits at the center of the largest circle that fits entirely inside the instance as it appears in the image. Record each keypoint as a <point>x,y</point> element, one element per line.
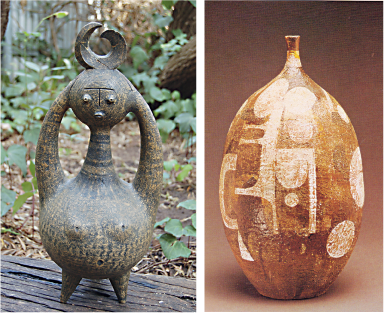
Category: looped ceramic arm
<point>149,176</point>
<point>49,173</point>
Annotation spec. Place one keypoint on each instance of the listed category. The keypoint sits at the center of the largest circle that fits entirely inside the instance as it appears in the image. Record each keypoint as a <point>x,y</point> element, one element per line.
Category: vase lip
<point>292,42</point>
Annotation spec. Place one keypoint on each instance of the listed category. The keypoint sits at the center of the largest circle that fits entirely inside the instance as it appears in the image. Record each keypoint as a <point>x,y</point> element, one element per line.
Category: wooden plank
<point>30,285</point>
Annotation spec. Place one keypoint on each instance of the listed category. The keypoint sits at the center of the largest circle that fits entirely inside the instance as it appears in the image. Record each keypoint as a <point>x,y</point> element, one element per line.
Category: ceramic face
<point>99,98</point>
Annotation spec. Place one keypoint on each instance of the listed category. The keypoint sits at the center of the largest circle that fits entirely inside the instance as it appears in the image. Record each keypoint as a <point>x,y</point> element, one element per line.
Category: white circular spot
<point>291,199</point>
<point>266,101</point>
<point>356,178</point>
<point>299,100</point>
<point>300,131</point>
<point>342,114</point>
<point>340,239</point>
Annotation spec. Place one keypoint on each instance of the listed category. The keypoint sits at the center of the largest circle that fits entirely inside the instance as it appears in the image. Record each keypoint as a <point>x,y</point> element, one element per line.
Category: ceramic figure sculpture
<point>96,225</point>
<point>291,185</point>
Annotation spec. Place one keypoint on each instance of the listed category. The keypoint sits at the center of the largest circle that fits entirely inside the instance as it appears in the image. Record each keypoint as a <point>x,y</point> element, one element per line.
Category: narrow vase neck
<point>99,157</point>
<point>293,55</point>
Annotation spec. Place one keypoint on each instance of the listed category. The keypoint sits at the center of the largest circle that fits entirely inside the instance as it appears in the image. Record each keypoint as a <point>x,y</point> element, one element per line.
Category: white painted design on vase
<point>340,239</point>
<point>270,104</point>
<point>291,199</point>
<point>299,100</point>
<point>342,114</point>
<point>266,101</point>
<point>356,178</point>
<point>293,167</point>
<point>293,59</point>
<point>246,141</point>
<point>243,249</point>
<point>300,130</point>
<point>229,163</point>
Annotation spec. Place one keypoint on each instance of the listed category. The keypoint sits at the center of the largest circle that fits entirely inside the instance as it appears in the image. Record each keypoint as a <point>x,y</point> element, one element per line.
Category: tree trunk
<point>180,71</point>
<point>184,18</point>
<point>5,5</point>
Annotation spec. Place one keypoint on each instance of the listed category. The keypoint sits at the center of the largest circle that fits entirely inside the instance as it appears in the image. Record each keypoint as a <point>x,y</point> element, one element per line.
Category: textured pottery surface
<point>291,185</point>
<point>96,225</point>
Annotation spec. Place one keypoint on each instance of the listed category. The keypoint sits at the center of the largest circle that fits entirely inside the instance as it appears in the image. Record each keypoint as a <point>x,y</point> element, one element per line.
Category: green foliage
<point>162,21</point>
<point>8,230</point>
<point>21,200</point>
<point>188,204</point>
<point>175,172</point>
<point>173,111</point>
<point>177,112</point>
<point>170,241</point>
<point>138,56</point>
<point>173,248</point>
<point>16,155</point>
<point>174,45</point>
<point>161,222</point>
<point>174,227</point>
<point>32,135</point>
<point>25,100</point>
<point>8,198</point>
<point>168,4</point>
<point>29,44</point>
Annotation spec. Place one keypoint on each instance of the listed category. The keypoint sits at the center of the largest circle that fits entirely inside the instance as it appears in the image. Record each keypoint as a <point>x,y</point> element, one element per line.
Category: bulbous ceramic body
<point>96,228</point>
<point>97,225</point>
<point>291,185</point>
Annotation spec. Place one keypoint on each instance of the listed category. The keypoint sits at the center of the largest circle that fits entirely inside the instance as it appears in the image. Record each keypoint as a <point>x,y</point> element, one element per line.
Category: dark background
<point>341,49</point>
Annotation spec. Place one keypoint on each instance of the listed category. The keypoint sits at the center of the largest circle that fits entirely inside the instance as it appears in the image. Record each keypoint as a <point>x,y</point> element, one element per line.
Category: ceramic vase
<point>291,185</point>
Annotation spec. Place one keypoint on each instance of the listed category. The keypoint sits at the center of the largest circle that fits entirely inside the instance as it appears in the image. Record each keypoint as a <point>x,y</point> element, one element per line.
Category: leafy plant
<point>8,198</point>
<point>175,172</point>
<point>30,45</point>
<point>25,100</point>
<point>183,113</point>
<point>170,3</point>
<point>170,241</point>
<point>173,111</point>
<point>8,230</point>
<point>30,189</point>
<point>15,155</point>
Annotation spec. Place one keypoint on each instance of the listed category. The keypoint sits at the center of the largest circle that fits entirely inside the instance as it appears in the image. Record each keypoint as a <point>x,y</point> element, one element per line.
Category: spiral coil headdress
<point>88,59</point>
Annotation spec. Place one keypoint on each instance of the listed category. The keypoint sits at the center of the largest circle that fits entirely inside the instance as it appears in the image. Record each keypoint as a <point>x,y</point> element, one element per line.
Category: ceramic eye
<point>86,98</point>
<point>111,99</point>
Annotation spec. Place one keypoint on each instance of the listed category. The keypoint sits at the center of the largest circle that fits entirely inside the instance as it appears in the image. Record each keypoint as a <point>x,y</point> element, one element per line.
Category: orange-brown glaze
<point>291,185</point>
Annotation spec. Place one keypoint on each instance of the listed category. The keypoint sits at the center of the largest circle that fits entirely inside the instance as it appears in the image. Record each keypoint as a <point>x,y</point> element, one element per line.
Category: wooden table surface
<point>30,285</point>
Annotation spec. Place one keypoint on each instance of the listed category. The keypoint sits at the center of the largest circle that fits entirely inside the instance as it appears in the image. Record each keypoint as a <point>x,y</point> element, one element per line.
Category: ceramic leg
<point>69,284</point>
<point>120,285</point>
